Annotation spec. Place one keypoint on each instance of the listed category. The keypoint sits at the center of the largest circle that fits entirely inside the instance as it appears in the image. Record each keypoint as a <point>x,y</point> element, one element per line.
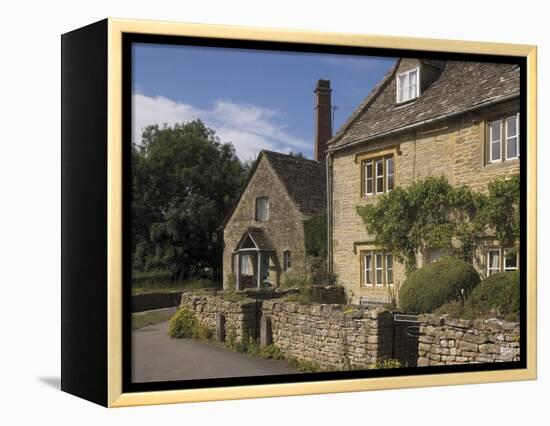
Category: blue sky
<point>254,99</point>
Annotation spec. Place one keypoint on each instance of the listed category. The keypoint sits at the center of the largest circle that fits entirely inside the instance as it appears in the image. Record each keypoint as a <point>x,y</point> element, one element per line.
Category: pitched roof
<point>304,180</point>
<point>259,238</point>
<point>460,87</point>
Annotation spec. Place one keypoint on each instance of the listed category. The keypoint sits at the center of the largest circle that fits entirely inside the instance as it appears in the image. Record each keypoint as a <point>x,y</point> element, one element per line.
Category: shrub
<point>498,295</point>
<point>388,364</point>
<point>432,286</point>
<point>203,332</point>
<point>271,352</point>
<point>318,271</point>
<point>231,280</point>
<point>454,309</point>
<point>183,324</point>
<point>295,279</point>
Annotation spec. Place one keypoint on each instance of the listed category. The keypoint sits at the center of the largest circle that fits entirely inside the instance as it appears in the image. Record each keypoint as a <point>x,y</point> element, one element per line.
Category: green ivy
<point>315,235</point>
<point>432,213</point>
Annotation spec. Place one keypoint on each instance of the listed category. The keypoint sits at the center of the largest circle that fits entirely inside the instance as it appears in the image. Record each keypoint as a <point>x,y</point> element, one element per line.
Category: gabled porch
<point>255,261</point>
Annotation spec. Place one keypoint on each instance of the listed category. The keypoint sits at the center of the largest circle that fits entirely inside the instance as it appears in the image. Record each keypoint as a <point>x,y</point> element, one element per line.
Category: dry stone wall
<point>241,318</point>
<point>333,336</point>
<point>447,341</point>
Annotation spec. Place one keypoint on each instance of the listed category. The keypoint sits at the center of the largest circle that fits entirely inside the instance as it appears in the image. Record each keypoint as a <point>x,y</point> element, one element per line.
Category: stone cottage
<point>264,233</point>
<point>424,118</point>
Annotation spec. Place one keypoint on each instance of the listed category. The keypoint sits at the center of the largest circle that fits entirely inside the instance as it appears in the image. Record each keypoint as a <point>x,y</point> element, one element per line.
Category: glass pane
<point>389,276</point>
<point>369,186</point>
<point>389,166</point>
<point>379,184</point>
<point>389,261</point>
<point>402,88</point>
<point>512,147</point>
<point>379,271</point>
<point>495,131</point>
<point>495,151</point>
<point>412,85</point>
<point>494,261</point>
<point>511,126</point>
<point>379,276</point>
<point>369,169</point>
<point>389,173</point>
<point>368,269</point>
<point>510,259</point>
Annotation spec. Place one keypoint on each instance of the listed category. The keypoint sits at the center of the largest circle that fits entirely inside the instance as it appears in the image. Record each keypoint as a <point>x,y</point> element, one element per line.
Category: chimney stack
<point>323,119</point>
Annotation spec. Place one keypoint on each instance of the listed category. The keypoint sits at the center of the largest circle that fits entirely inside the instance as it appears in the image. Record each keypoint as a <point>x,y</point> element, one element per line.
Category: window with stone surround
<point>376,268</point>
<point>377,175</point>
<point>262,209</point>
<point>501,259</point>
<point>503,139</point>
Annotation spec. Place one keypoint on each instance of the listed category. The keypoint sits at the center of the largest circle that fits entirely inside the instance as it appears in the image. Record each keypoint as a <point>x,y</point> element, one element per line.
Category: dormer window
<point>407,85</point>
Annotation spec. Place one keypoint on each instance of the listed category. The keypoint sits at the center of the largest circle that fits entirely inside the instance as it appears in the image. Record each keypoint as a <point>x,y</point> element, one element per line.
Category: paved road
<point>157,357</point>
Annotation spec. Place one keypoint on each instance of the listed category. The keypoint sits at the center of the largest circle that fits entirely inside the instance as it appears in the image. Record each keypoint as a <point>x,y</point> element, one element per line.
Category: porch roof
<point>259,238</point>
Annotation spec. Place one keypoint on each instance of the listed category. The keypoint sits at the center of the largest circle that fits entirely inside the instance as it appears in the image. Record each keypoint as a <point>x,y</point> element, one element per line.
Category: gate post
<point>266,336</point>
<point>220,327</point>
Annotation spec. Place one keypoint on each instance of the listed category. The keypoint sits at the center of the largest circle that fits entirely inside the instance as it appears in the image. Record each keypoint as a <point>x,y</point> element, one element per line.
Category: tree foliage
<point>184,181</point>
<point>433,214</point>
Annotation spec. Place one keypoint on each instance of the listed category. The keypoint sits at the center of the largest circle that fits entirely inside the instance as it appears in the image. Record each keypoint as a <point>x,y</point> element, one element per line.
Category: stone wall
<point>446,341</point>
<point>452,148</point>
<point>241,318</point>
<point>333,336</point>
<point>150,301</point>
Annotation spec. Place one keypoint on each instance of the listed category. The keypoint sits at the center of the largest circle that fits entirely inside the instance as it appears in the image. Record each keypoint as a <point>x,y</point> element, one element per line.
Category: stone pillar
<point>259,269</point>
<point>266,336</point>
<point>220,327</point>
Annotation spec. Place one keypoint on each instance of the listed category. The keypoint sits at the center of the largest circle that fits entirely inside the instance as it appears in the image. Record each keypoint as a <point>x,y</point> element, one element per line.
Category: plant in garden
<point>183,324</point>
<point>497,295</point>
<point>441,282</point>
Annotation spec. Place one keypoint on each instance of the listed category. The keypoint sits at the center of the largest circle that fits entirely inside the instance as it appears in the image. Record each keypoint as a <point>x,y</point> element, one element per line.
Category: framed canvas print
<point>253,212</point>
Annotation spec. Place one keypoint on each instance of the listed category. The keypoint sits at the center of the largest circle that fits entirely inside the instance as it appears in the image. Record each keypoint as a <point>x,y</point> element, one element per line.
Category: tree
<point>184,181</point>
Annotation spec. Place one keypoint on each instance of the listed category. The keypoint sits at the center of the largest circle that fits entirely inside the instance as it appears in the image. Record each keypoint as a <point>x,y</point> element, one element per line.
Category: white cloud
<point>250,128</point>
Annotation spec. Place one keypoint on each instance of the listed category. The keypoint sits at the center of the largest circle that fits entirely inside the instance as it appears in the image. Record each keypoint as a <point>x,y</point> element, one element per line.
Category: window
<point>368,177</point>
<point>286,260</point>
<point>512,137</point>
<point>262,209</point>
<point>493,262</point>
<point>407,85</point>
<point>379,269</point>
<point>502,259</point>
<point>510,259</point>
<point>389,173</point>
<point>376,268</point>
<point>245,265</point>
<point>389,269</point>
<point>503,138</point>
<point>378,175</point>
<point>367,264</point>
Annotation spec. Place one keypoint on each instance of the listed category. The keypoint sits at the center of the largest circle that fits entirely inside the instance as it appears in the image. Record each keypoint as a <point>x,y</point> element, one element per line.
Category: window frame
<point>257,210</point>
<point>373,162</point>
<point>399,89</point>
<point>503,140</point>
<point>501,260</point>
<point>506,137</point>
<point>387,269</point>
<point>370,270</point>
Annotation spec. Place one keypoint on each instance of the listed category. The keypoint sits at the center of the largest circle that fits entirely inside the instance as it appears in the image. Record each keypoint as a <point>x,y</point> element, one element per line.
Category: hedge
<point>498,295</point>
<point>439,283</point>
